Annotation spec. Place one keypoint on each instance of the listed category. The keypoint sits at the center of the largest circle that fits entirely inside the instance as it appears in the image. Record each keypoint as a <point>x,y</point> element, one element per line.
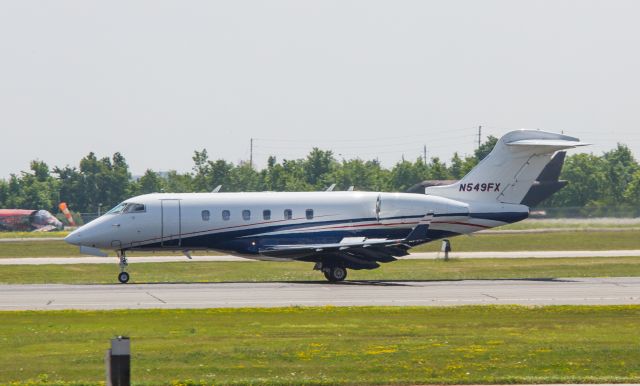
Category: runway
<point>412,256</point>
<point>587,291</point>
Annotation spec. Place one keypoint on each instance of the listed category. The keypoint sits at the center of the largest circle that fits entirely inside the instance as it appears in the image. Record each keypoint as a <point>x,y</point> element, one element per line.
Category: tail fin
<point>507,173</point>
<point>547,183</point>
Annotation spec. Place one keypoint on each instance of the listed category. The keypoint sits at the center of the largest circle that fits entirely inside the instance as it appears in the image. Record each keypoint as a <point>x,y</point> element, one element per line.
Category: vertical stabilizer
<point>507,173</point>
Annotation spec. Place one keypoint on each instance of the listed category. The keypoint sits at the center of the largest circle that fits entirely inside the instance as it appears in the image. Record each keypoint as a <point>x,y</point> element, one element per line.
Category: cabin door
<point>171,223</point>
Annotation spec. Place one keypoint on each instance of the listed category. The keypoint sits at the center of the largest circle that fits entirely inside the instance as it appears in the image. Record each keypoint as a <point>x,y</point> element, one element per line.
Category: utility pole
<point>479,135</point>
<point>251,153</point>
<point>424,155</point>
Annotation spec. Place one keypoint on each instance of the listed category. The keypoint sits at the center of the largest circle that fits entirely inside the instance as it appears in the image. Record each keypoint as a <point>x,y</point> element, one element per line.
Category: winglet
<point>420,231</point>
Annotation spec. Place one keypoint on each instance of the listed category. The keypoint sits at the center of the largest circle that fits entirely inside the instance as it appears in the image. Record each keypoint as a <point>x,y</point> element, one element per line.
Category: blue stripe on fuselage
<point>241,240</point>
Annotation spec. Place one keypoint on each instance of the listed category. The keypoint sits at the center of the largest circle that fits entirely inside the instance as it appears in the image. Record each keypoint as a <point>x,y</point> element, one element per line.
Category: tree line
<point>97,184</point>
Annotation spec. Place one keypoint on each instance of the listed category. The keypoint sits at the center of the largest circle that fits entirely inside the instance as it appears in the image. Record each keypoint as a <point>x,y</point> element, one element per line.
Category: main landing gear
<point>123,276</point>
<point>333,273</point>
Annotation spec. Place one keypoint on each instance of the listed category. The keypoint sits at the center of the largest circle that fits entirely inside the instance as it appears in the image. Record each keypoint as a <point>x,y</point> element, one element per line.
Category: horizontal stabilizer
<point>553,143</point>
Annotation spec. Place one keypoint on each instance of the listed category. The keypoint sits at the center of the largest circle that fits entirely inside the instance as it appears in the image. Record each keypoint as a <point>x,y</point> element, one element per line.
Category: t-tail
<point>508,172</point>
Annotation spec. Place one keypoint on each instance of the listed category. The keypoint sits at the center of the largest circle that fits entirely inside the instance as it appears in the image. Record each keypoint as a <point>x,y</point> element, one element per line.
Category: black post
<point>118,361</point>
<point>446,248</point>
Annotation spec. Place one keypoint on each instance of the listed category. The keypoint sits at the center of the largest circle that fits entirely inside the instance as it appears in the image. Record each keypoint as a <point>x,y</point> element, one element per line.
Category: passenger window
<point>288,214</point>
<point>246,215</point>
<point>266,214</point>
<point>226,215</point>
<point>309,213</point>
<point>205,215</point>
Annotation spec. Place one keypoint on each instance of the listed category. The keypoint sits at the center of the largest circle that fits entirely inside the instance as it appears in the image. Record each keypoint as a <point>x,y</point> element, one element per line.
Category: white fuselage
<point>242,223</point>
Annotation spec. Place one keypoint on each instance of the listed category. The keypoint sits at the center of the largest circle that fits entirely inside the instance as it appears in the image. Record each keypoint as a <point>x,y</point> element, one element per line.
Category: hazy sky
<point>156,80</point>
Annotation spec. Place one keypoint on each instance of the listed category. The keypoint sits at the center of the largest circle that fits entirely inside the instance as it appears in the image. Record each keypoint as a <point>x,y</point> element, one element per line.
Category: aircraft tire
<point>335,274</point>
<point>123,277</point>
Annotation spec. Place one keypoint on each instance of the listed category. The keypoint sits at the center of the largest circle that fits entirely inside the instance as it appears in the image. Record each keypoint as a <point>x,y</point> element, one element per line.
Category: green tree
<point>294,176</point>
<point>318,165</point>
<point>209,174</point>
<point>242,178</point>
<point>273,178</point>
<point>178,183</point>
<point>97,183</point>
<point>620,167</point>
<point>363,175</point>
<point>485,148</point>
<point>405,174</point>
<point>587,180</point>
<point>150,182</point>
<point>456,168</point>
<point>35,189</point>
<point>71,187</point>
<point>632,192</point>
<point>4,193</point>
<point>438,170</point>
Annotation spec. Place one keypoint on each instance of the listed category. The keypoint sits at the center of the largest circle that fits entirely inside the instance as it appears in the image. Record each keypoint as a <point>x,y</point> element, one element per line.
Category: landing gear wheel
<point>123,277</point>
<point>334,274</point>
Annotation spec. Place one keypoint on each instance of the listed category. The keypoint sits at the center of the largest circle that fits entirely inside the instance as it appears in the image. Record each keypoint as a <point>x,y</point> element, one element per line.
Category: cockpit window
<point>127,207</point>
<point>134,208</point>
<point>118,208</point>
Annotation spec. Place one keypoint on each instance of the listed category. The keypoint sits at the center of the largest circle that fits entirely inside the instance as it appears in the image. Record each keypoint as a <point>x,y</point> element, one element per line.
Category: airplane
<point>335,230</point>
<point>28,220</point>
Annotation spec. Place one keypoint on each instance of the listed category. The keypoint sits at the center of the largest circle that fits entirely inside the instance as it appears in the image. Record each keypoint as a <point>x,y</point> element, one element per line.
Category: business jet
<point>335,230</point>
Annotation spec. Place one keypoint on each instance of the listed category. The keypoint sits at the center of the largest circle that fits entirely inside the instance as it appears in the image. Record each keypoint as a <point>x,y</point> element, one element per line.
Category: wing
<point>359,252</point>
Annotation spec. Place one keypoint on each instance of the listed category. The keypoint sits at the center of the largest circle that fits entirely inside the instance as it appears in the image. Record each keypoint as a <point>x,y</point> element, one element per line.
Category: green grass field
<point>557,241</point>
<point>254,271</point>
<point>574,223</point>
<point>31,235</point>
<point>33,248</point>
<point>329,345</point>
<point>570,240</point>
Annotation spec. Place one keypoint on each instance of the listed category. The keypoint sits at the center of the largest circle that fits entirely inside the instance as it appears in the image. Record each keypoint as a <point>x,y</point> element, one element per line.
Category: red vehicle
<point>28,220</point>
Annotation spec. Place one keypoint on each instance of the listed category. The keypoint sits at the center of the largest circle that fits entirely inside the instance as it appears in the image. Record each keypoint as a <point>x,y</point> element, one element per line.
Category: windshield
<point>127,207</point>
<point>118,208</point>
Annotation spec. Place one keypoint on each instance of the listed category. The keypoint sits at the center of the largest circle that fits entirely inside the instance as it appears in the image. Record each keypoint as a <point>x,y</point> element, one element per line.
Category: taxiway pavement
<point>588,291</point>
<point>413,256</point>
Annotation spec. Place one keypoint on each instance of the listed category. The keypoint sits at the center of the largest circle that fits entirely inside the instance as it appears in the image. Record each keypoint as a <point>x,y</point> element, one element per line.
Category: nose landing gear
<point>123,276</point>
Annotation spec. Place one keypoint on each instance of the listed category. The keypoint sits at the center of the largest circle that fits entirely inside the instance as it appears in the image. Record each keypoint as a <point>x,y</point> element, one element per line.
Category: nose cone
<point>74,237</point>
